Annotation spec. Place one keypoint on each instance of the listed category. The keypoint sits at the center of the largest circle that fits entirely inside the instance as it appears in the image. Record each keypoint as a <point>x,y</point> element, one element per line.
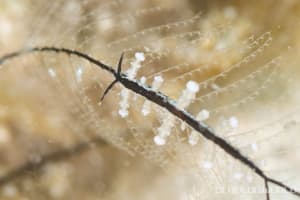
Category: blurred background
<point>58,141</point>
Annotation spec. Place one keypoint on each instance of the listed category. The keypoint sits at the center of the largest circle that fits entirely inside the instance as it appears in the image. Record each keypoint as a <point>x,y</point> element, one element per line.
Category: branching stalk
<point>164,102</point>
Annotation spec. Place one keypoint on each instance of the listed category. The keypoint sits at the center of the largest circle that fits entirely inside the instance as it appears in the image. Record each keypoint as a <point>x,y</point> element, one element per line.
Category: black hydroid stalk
<point>164,102</point>
<point>116,80</point>
<point>57,156</point>
<point>108,89</point>
<point>267,189</point>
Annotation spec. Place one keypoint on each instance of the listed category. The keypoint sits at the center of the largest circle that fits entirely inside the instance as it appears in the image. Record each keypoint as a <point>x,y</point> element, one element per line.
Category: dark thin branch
<point>57,156</point>
<point>163,101</point>
<point>267,189</point>
<point>108,89</point>
<point>119,68</point>
<point>287,188</point>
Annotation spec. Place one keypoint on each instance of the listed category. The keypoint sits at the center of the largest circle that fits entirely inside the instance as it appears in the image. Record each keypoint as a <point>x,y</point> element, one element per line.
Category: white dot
<point>193,140</point>
<point>123,113</point>
<point>51,72</point>
<point>207,165</point>
<point>254,147</point>
<point>158,79</point>
<point>143,80</point>
<point>157,82</point>
<point>105,24</point>
<point>160,141</point>
<point>145,111</point>
<point>139,56</point>
<point>233,122</point>
<point>203,115</point>
<point>79,72</point>
<point>192,86</point>
<point>238,176</point>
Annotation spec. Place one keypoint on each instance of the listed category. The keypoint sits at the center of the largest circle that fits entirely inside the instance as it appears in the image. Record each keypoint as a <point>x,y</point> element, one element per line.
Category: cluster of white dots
<point>168,121</point>
<point>78,73</point>
<point>233,122</point>
<point>187,96</point>
<point>156,84</point>
<point>131,73</point>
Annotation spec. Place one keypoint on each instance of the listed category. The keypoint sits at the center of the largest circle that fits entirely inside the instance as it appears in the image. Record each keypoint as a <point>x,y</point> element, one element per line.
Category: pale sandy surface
<point>46,106</point>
